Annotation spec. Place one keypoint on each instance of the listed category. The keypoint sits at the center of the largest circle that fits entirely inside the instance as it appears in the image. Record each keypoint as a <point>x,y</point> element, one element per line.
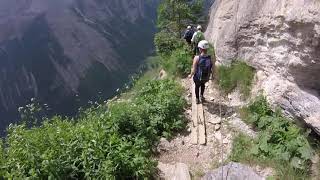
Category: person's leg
<point>197,91</point>
<point>203,87</point>
<point>197,50</point>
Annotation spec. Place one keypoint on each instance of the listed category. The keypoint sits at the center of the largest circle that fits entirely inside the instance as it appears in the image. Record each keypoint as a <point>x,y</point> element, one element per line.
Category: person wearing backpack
<point>196,38</point>
<point>201,70</point>
<point>188,35</point>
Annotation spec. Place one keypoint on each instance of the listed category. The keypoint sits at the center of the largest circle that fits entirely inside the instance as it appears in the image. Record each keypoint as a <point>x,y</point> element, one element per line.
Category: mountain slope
<point>60,50</point>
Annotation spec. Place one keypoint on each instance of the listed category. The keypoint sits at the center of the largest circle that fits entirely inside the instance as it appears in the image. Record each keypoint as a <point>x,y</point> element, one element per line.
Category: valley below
<point>66,53</point>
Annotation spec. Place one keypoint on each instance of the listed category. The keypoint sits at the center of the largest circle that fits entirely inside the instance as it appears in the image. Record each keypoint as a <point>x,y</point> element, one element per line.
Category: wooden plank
<point>194,106</point>
<point>194,128</point>
<point>201,125</point>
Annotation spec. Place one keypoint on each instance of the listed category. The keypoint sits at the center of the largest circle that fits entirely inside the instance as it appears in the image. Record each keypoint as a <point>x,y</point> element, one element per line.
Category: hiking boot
<point>198,101</point>
<point>203,99</point>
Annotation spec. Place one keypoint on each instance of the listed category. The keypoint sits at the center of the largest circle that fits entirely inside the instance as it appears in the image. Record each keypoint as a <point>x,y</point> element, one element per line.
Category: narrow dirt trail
<point>219,133</point>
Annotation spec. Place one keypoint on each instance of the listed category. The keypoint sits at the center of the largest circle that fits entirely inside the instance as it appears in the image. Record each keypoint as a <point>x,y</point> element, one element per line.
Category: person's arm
<point>193,37</point>
<point>185,34</point>
<point>194,66</point>
<point>214,59</point>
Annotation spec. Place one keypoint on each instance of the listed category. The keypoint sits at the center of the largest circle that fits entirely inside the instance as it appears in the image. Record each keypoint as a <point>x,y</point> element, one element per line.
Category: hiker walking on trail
<point>196,38</point>
<point>201,70</point>
<point>188,35</point>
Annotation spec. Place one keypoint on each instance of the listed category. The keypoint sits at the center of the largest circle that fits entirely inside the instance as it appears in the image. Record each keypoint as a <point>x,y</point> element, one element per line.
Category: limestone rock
<point>164,145</point>
<point>233,171</point>
<point>163,74</point>
<point>217,127</point>
<point>216,120</point>
<point>281,39</point>
<point>174,172</point>
<point>218,135</point>
<point>238,124</point>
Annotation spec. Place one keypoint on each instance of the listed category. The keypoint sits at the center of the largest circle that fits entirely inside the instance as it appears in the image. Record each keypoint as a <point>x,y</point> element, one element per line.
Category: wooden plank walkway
<point>194,128</point>
<point>198,129</point>
<point>201,125</point>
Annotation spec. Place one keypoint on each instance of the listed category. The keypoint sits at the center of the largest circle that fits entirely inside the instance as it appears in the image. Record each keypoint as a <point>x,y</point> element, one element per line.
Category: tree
<point>174,15</point>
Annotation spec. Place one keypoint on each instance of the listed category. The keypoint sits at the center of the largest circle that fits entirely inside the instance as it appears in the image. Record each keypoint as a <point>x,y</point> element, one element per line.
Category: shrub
<point>1,156</point>
<point>105,142</point>
<point>165,106</point>
<point>239,74</point>
<point>179,63</point>
<point>279,140</point>
<point>175,15</point>
<point>166,43</point>
<point>240,146</point>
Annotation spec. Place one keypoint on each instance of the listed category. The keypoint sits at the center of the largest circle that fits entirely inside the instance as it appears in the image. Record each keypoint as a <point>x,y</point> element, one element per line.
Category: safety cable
<point>221,131</point>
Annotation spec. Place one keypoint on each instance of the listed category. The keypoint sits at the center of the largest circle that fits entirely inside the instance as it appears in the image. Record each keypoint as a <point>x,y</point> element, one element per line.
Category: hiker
<point>201,70</point>
<point>188,35</point>
<point>196,38</point>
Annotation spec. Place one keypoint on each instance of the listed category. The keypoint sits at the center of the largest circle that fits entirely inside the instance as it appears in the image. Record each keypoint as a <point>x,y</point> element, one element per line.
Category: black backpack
<point>204,68</point>
<point>188,35</point>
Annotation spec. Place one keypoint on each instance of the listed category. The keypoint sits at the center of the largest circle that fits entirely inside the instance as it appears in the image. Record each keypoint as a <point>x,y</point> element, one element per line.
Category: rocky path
<point>220,131</point>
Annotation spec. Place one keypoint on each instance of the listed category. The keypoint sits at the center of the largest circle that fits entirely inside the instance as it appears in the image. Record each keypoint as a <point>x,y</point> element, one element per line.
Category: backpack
<point>204,68</point>
<point>188,35</point>
<point>199,37</point>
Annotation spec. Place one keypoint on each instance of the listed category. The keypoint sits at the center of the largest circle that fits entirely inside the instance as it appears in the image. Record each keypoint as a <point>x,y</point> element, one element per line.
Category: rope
<point>221,124</point>
<point>221,130</point>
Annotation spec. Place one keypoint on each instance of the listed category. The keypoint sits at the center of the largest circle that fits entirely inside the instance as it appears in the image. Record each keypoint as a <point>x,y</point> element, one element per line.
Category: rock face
<point>55,50</point>
<point>233,171</point>
<point>281,39</point>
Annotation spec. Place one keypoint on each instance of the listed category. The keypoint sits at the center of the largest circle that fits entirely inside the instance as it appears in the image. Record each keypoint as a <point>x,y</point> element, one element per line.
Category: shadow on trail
<point>214,108</point>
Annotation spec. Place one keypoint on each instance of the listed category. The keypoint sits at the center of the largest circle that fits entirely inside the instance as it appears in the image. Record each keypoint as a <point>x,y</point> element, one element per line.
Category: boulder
<point>233,171</point>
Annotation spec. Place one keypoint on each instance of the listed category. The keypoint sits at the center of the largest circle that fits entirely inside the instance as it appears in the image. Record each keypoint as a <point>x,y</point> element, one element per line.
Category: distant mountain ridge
<point>57,50</point>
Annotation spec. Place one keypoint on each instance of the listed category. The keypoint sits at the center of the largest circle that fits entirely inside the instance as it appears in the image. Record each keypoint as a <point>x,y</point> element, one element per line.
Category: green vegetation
<point>112,141</point>
<point>175,54</point>
<point>175,15</point>
<point>280,143</point>
<point>239,74</point>
<point>178,63</point>
<point>166,43</point>
<point>151,72</point>
<point>198,173</point>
